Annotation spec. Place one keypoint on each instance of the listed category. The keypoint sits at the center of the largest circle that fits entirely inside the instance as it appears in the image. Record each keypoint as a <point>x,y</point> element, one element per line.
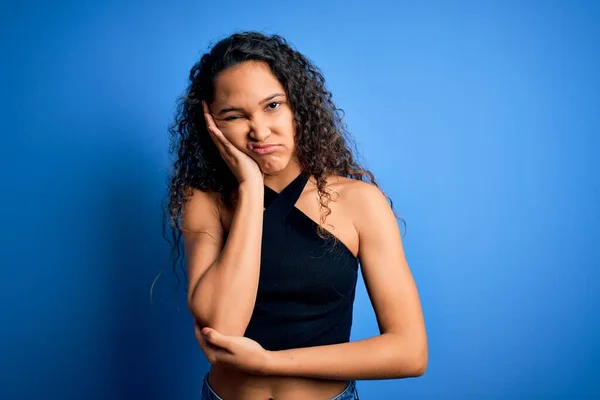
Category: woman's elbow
<point>414,363</point>
<point>420,361</point>
<point>420,366</point>
<point>199,310</point>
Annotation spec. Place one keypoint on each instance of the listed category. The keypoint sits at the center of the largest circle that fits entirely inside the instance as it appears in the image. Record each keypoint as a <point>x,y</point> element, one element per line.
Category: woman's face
<point>251,108</point>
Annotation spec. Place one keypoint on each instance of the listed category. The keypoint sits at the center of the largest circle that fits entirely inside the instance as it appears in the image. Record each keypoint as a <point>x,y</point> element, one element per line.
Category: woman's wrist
<point>252,188</point>
<point>270,363</point>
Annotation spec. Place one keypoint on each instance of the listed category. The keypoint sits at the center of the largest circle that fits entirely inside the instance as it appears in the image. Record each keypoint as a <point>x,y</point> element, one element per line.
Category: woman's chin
<point>271,167</point>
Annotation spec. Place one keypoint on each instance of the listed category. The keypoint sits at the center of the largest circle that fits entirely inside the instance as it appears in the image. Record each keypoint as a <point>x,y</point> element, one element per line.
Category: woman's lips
<point>264,149</point>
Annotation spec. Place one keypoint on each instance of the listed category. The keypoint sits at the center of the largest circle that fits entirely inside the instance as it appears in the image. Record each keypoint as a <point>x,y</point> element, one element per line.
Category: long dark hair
<point>323,146</point>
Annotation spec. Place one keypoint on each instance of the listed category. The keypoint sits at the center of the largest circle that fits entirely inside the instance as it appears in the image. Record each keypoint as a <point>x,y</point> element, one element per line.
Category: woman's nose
<point>259,130</point>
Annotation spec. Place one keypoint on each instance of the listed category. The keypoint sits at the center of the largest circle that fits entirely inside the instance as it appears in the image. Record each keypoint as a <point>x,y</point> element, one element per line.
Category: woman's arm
<point>401,349</point>
<point>223,273</point>
<point>387,356</point>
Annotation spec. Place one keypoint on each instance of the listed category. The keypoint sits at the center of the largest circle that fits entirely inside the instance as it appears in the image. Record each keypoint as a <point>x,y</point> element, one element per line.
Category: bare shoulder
<point>355,190</point>
<point>201,211</point>
<point>358,198</point>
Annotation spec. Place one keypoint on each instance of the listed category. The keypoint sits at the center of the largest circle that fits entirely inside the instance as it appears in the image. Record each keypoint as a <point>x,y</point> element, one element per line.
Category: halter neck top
<point>307,284</point>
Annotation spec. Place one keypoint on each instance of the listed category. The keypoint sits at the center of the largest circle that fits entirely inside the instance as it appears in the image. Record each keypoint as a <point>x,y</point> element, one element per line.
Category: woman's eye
<point>273,106</point>
<point>231,118</point>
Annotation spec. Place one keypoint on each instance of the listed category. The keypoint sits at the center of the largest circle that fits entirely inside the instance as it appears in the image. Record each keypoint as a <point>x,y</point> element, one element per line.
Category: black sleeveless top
<point>307,284</point>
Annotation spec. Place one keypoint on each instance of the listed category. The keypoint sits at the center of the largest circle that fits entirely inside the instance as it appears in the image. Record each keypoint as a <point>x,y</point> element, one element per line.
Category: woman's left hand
<point>232,351</point>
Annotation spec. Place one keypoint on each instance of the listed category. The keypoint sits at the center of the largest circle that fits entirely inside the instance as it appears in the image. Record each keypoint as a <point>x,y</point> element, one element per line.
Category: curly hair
<point>323,146</point>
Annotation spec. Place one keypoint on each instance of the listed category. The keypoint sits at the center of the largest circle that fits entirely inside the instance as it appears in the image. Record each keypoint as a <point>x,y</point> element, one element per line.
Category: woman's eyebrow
<point>271,97</point>
<point>229,109</point>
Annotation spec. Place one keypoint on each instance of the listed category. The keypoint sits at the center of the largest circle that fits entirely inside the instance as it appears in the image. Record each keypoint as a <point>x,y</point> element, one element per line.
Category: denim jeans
<point>350,393</point>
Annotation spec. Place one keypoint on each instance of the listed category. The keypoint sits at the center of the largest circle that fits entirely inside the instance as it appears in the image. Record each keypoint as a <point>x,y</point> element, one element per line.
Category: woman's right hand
<point>242,165</point>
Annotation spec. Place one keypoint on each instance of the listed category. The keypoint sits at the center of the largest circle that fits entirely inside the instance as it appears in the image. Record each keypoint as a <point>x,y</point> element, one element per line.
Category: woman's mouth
<point>264,149</point>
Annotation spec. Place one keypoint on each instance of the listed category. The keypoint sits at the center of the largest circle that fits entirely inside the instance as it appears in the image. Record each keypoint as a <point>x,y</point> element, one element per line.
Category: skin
<point>241,368</point>
<point>250,108</point>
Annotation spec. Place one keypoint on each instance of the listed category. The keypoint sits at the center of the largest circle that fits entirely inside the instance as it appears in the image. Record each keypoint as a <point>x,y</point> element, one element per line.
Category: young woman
<point>276,217</point>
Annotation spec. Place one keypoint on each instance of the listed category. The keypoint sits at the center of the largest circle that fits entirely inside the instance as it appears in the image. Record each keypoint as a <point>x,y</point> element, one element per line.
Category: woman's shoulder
<point>355,197</point>
<point>353,192</point>
<point>205,206</point>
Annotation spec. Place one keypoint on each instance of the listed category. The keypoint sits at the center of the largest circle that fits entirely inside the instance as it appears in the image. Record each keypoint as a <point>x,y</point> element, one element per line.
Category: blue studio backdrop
<point>479,119</point>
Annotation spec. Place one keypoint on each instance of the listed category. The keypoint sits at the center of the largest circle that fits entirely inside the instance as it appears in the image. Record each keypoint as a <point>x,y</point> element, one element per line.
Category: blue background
<point>480,119</point>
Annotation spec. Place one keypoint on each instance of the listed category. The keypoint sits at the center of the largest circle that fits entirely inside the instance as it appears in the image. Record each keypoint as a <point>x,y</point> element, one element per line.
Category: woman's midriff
<point>234,384</point>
